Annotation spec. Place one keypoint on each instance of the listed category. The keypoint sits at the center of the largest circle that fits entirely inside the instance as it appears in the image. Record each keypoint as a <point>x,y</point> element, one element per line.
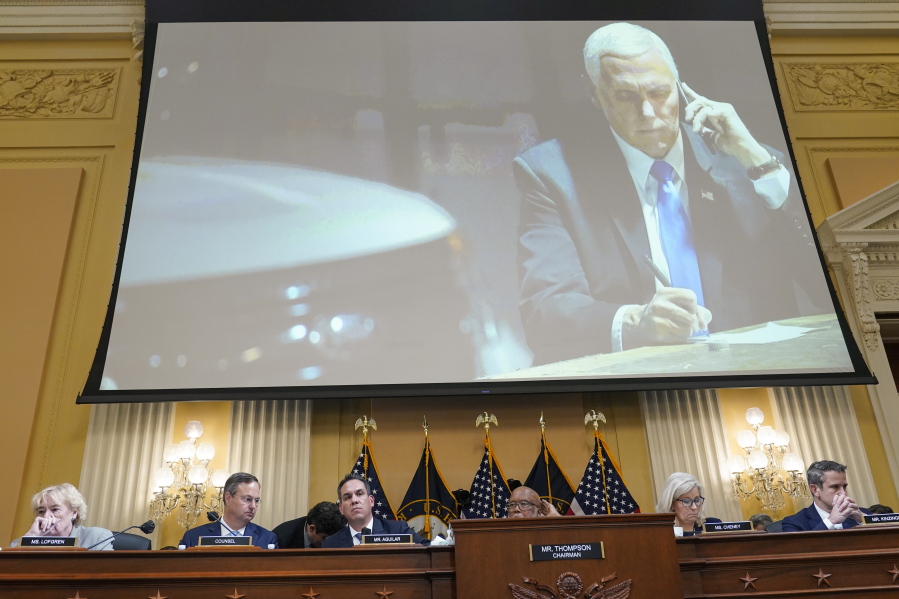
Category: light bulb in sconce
<point>193,430</point>
<point>197,475</point>
<point>792,462</point>
<point>186,450</point>
<point>205,452</point>
<point>758,460</point>
<point>782,439</point>
<point>746,439</point>
<point>172,453</point>
<point>766,435</point>
<point>219,477</point>
<point>755,416</point>
<point>164,477</point>
<point>736,464</point>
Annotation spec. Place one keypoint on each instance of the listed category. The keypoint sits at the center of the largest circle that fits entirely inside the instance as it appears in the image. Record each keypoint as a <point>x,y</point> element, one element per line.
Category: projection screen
<point>364,208</point>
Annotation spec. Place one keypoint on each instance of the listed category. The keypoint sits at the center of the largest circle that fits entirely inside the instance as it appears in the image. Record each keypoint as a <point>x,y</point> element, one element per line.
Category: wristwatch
<point>757,172</point>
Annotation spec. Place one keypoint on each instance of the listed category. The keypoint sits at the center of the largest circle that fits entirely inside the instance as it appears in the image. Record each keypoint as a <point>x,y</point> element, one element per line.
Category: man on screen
<point>664,222</point>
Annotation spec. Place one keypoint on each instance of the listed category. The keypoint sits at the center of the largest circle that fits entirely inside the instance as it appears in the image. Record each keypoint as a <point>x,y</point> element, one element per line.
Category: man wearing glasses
<point>525,503</point>
<point>241,497</point>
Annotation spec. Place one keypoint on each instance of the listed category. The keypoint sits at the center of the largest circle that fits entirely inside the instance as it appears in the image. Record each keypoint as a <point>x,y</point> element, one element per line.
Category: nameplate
<point>387,539</point>
<point>228,541</point>
<point>881,518</point>
<point>727,526</point>
<point>548,553</point>
<point>48,541</point>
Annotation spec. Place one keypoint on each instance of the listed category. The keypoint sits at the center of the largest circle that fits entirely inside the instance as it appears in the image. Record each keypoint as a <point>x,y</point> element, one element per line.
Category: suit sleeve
<point>561,317</point>
<point>188,540</point>
<point>401,527</point>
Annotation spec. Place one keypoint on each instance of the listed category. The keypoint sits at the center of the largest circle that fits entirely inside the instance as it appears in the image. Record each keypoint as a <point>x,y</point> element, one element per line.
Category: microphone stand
<point>146,528</point>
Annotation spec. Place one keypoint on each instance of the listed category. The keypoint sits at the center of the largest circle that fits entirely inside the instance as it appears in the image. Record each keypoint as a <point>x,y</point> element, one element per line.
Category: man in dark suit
<point>241,497</point>
<point>356,503</point>
<point>833,508</point>
<point>308,532</point>
<point>641,229</point>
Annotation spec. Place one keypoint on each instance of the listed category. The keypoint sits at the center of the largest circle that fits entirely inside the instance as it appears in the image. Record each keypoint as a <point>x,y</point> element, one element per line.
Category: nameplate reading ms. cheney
<point>228,541</point>
<point>726,526</point>
<point>48,541</point>
<point>546,553</point>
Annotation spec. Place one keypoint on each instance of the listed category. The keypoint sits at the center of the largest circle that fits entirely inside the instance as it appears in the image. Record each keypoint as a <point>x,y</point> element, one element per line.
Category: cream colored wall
<point>100,143</point>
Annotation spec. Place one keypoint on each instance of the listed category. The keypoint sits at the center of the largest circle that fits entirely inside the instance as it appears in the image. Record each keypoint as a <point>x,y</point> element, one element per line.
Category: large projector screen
<point>370,208</point>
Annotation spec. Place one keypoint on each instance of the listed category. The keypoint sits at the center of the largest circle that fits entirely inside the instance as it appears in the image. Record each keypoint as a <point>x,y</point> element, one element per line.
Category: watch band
<point>757,172</point>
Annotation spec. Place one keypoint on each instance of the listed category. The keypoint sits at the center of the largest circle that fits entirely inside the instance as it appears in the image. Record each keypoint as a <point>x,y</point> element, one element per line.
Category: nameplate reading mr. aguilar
<point>546,553</point>
<point>881,518</point>
<point>727,526</point>
<point>48,541</point>
<point>399,539</point>
<point>227,541</point>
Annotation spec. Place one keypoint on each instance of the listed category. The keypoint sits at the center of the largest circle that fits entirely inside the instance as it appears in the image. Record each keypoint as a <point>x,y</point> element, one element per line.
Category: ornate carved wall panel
<point>843,86</point>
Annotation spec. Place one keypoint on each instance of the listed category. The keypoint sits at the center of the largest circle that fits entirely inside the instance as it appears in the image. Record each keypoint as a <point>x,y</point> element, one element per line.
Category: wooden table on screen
<point>861,562</point>
<point>818,350</point>
<point>492,554</point>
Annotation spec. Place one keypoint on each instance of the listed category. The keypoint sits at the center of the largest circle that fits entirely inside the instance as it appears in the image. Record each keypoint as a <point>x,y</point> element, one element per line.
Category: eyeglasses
<point>687,502</point>
<point>248,500</point>
<point>521,505</point>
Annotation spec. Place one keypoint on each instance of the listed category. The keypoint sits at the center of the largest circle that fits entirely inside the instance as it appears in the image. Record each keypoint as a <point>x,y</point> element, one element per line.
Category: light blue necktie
<point>676,232</point>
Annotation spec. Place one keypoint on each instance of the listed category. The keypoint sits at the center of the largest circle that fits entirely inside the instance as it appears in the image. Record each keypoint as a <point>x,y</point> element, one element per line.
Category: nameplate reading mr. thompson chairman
<point>546,553</point>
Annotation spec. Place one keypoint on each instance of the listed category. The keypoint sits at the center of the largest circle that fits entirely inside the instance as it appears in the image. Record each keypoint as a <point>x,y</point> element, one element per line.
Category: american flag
<point>366,468</point>
<point>602,490</point>
<point>489,490</point>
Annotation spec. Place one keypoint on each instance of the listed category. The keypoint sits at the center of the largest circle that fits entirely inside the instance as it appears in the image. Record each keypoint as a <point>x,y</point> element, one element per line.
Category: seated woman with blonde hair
<point>60,511</point>
<point>682,494</point>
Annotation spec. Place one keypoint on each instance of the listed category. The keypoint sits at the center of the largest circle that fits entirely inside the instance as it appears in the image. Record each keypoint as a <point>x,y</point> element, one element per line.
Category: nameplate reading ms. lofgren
<point>48,541</point>
<point>881,518</point>
<point>546,553</point>
<point>726,526</point>
<point>227,541</point>
<point>387,539</point>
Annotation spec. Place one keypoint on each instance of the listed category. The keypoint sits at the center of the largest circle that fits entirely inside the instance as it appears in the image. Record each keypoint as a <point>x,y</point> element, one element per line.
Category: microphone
<point>213,516</point>
<point>146,528</point>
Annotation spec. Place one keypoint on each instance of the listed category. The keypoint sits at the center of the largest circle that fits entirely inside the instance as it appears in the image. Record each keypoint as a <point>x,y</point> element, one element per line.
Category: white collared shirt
<point>353,532</point>
<point>238,532</point>
<point>772,188</point>
<point>826,517</point>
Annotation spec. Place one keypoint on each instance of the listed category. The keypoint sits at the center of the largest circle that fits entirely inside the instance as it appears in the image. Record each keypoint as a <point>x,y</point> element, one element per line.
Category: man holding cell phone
<point>658,226</point>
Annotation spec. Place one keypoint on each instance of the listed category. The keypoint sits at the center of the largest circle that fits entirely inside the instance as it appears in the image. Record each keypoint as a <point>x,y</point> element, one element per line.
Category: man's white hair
<point>622,40</point>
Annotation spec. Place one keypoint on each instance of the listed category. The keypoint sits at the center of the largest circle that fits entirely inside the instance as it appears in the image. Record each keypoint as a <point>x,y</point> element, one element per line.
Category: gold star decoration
<point>822,577</point>
<point>157,596</point>
<point>77,596</point>
<point>748,581</point>
<point>235,595</point>
<point>311,594</point>
<point>894,572</point>
<point>384,594</point>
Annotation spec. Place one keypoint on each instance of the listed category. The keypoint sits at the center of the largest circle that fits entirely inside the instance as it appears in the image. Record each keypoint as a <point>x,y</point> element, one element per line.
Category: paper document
<point>770,333</point>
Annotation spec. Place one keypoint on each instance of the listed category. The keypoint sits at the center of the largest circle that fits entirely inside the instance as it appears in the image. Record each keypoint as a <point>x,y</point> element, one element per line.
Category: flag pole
<point>486,419</point>
<point>364,423</point>
<point>427,529</point>
<point>549,482</point>
<point>594,417</point>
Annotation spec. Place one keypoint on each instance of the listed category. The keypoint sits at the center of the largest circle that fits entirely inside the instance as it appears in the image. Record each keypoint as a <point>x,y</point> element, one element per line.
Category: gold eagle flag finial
<point>486,419</point>
<point>365,423</point>
<point>594,417</point>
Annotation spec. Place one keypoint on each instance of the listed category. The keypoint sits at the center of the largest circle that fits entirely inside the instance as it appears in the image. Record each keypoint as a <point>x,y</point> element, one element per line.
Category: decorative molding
<point>84,19</point>
<point>843,86</point>
<point>58,93</point>
<point>837,17</point>
<point>855,268</point>
<point>885,289</point>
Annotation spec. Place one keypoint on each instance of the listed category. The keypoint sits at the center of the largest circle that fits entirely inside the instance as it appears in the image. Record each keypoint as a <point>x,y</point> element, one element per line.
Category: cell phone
<point>708,136</point>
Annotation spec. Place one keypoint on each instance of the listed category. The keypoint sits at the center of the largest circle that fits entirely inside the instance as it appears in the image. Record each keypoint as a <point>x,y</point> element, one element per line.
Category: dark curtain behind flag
<point>549,481</point>
<point>602,490</point>
<point>365,467</point>
<point>489,490</point>
<point>429,504</point>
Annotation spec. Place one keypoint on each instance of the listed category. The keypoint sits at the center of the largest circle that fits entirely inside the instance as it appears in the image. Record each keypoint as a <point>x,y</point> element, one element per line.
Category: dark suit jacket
<point>582,240</point>
<point>697,528</point>
<point>809,519</point>
<point>291,534</point>
<point>344,537</point>
<point>262,537</point>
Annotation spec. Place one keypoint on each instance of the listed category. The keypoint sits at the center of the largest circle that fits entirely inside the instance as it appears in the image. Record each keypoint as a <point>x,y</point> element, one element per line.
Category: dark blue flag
<point>549,481</point>
<point>429,504</point>
<point>366,468</point>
